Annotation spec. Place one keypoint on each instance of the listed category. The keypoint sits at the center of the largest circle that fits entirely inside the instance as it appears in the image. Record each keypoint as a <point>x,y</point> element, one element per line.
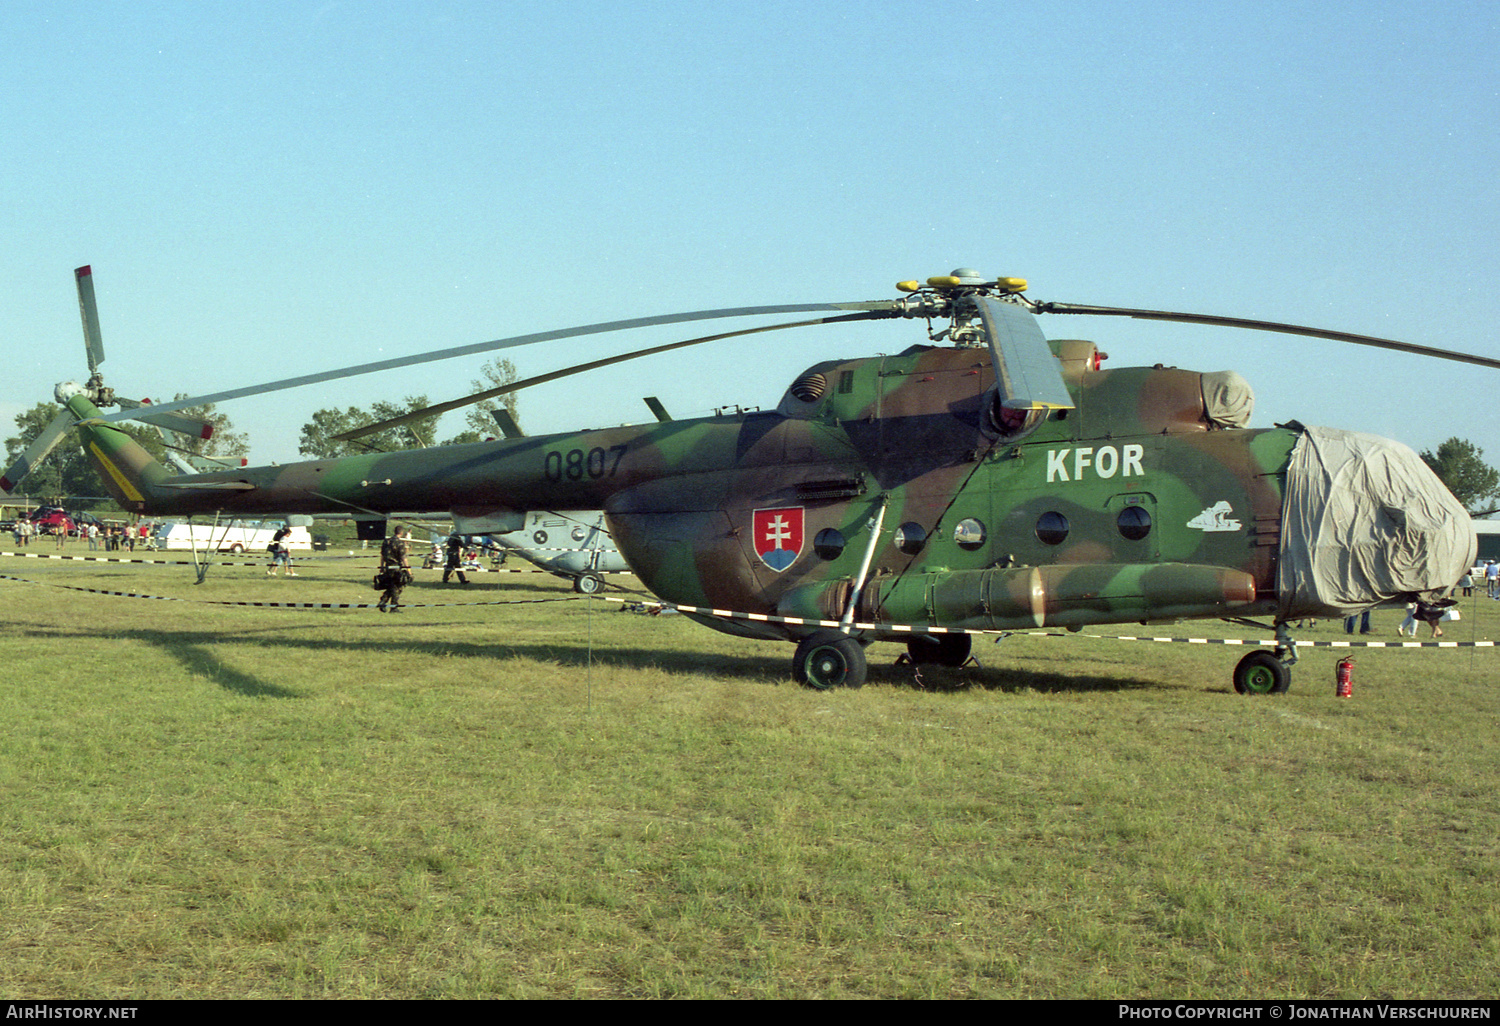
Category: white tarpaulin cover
<point>1365,520</point>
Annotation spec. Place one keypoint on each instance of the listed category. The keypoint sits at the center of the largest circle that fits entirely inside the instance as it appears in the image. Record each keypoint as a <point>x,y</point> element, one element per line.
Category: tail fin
<point>129,472</point>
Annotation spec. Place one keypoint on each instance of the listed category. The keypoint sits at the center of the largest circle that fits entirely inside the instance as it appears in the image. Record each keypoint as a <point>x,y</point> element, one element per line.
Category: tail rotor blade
<point>37,451</point>
<point>190,427</point>
<point>93,342</point>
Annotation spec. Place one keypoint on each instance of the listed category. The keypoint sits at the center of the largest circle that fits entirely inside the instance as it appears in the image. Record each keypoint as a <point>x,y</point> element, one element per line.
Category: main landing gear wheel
<point>588,584</point>
<point>1262,673</point>
<point>829,659</point>
<point>940,649</point>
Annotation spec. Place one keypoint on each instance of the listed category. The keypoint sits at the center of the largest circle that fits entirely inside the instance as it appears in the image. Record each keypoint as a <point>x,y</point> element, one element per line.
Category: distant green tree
<point>1472,481</point>
<point>317,434</point>
<point>225,441</point>
<point>497,374</point>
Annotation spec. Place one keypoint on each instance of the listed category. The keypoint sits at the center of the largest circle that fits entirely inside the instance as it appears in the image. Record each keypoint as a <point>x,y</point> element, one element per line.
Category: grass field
<point>559,799</point>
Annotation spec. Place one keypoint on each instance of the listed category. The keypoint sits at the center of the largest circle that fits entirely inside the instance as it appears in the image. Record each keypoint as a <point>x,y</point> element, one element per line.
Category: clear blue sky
<point>271,188</point>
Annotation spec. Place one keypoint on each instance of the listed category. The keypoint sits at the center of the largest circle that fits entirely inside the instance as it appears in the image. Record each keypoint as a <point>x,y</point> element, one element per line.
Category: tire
<point>588,584</point>
<point>237,549</point>
<point>829,659</point>
<point>1261,673</point>
<point>940,649</point>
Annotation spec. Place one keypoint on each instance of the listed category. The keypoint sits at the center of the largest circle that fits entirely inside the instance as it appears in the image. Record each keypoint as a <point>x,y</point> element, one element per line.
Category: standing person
<point>281,552</point>
<point>454,560</point>
<point>1410,623</point>
<point>1492,578</point>
<point>1432,613</point>
<point>395,569</point>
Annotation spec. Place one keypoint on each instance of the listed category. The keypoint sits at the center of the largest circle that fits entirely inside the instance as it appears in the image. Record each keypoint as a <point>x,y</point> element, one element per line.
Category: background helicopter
<point>997,482</point>
<point>575,545</point>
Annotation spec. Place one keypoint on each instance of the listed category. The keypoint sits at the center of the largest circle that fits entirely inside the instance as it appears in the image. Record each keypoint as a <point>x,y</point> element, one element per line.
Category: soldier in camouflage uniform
<point>454,562</point>
<point>396,569</point>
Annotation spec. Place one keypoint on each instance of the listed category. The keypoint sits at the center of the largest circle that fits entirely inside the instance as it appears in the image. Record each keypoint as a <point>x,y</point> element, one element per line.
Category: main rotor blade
<point>888,307</point>
<point>1286,329</point>
<point>93,342</point>
<point>37,451</point>
<point>516,386</point>
<point>1026,371</point>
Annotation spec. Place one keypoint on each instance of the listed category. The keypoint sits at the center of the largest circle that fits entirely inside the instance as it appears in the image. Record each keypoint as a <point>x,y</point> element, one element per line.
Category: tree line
<point>317,439</point>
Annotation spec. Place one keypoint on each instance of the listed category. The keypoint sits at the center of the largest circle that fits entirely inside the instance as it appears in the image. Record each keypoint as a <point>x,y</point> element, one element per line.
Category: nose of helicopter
<point>1365,521</point>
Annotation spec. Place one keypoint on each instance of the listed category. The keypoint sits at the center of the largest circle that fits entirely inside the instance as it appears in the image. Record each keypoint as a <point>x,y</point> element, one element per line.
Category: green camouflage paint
<point>1131,506</point>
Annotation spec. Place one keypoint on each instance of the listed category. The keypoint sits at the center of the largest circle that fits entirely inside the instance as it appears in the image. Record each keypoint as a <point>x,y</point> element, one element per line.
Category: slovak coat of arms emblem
<point>778,536</point>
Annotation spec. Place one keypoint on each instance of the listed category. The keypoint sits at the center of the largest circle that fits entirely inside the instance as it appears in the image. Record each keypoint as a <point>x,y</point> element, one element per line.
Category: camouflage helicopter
<point>983,480</point>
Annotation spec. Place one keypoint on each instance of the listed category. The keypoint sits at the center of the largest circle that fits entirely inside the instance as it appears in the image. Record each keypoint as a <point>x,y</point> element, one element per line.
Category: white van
<point>236,537</point>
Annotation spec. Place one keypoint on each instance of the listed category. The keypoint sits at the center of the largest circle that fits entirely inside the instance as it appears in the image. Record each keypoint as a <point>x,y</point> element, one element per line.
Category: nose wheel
<point>1267,673</point>
<point>1261,673</point>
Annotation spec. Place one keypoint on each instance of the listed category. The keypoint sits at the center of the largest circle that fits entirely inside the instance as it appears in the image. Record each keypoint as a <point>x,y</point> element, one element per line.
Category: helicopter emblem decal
<point>778,536</point>
<point>1215,518</point>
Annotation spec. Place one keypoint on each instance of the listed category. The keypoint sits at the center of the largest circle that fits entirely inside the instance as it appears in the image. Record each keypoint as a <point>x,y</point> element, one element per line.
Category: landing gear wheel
<point>588,584</point>
<point>1261,673</point>
<point>829,659</point>
<point>940,649</point>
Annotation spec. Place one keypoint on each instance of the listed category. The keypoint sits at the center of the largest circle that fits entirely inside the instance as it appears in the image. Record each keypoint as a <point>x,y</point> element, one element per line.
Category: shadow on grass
<point>200,659</point>
<point>195,650</point>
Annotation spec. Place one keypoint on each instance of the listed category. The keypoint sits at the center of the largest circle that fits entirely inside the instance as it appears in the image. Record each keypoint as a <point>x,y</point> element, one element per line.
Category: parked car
<point>83,520</point>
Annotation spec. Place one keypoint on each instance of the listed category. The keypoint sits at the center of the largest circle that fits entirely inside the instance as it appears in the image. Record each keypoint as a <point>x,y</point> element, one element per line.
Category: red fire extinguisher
<point>1343,678</point>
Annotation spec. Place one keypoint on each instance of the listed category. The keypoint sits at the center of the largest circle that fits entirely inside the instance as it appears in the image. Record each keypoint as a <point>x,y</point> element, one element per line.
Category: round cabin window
<point>1052,528</point>
<point>969,534</point>
<point>829,544</point>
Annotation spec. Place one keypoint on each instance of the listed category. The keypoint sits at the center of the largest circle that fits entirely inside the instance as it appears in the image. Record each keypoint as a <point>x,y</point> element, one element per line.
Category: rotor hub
<point>946,296</point>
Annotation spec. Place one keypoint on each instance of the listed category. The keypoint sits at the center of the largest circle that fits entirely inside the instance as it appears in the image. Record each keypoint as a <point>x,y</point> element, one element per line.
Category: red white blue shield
<point>778,536</point>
